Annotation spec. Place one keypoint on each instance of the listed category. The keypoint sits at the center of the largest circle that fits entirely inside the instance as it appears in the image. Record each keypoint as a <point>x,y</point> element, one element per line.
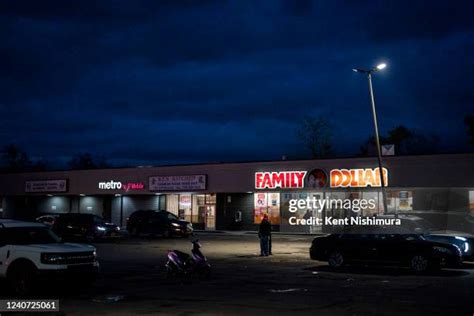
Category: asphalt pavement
<point>243,283</point>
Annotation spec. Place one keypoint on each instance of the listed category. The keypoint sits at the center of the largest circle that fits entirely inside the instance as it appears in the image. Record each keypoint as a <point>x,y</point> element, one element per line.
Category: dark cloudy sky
<point>149,82</point>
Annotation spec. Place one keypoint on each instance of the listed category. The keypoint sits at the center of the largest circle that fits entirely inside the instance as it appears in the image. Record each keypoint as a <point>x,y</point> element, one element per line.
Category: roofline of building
<point>471,154</point>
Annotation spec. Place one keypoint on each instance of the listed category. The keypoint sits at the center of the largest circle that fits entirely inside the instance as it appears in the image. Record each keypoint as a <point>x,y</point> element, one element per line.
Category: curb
<point>238,233</point>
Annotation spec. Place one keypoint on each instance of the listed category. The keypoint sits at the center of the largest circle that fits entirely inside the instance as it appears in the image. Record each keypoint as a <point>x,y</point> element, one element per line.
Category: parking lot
<point>133,282</point>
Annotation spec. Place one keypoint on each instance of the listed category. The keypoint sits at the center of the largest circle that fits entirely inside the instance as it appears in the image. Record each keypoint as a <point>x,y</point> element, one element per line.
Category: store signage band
<point>283,179</point>
<point>339,178</point>
<point>357,178</point>
<point>36,186</point>
<point>119,185</point>
<point>178,183</point>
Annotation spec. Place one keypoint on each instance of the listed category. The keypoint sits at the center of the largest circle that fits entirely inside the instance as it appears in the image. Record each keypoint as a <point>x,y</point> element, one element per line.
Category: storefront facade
<point>236,195</point>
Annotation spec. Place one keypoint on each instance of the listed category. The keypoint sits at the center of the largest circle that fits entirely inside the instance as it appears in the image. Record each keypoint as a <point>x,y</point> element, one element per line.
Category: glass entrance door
<point>206,211</point>
<point>210,217</point>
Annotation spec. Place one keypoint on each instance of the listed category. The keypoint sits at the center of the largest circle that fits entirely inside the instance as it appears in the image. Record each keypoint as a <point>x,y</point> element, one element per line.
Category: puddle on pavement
<point>287,290</point>
<point>108,299</point>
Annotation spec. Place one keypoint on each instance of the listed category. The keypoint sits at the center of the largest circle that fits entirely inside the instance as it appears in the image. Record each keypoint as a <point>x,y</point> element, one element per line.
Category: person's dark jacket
<point>265,228</point>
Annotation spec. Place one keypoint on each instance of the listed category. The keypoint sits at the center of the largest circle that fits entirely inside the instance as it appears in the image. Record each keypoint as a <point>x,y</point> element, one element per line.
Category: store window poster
<point>267,203</point>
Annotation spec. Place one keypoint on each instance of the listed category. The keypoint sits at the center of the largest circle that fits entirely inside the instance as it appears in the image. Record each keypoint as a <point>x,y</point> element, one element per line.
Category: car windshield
<point>27,236</point>
<point>418,225</point>
<point>98,220</point>
<point>171,216</point>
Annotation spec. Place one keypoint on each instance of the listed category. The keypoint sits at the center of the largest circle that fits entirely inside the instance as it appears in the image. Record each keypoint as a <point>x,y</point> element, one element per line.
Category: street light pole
<point>376,128</point>
<point>377,141</point>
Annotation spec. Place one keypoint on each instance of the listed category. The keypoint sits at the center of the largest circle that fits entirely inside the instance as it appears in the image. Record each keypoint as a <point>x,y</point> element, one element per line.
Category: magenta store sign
<point>120,185</point>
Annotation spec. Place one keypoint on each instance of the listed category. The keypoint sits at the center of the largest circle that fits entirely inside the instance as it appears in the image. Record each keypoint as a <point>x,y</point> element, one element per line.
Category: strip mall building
<point>236,195</point>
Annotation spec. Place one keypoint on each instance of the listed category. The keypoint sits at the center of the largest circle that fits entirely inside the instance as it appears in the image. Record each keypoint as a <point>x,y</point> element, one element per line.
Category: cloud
<point>223,78</point>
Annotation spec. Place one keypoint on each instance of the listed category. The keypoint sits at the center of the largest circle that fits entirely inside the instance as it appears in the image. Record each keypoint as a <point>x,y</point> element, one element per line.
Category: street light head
<point>381,66</point>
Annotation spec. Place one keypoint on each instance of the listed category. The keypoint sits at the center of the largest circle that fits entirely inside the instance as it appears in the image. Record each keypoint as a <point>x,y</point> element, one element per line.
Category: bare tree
<point>14,158</point>
<point>87,161</point>
<point>407,142</point>
<point>315,133</point>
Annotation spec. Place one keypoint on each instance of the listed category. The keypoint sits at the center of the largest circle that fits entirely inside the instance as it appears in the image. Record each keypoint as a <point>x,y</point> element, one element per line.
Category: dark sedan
<point>88,227</point>
<point>152,223</point>
<point>381,247</point>
<point>413,224</point>
<point>463,240</point>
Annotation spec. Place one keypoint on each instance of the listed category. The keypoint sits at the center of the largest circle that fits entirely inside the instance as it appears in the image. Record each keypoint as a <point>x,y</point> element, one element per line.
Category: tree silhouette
<point>15,159</point>
<point>87,161</point>
<point>315,133</point>
<point>407,142</point>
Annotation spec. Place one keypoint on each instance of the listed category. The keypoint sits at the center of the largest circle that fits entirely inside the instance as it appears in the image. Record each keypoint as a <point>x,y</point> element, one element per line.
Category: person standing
<point>264,233</point>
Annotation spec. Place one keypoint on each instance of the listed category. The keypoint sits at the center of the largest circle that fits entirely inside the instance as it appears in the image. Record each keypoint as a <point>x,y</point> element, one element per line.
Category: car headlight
<point>52,258</point>
<point>175,224</point>
<point>466,247</point>
<point>101,228</point>
<point>442,249</point>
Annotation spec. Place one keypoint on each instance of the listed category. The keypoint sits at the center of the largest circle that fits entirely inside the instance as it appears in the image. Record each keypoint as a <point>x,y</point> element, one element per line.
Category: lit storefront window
<point>402,200</point>
<point>172,203</point>
<point>204,211</point>
<point>185,207</point>
<point>267,203</point>
<point>300,214</point>
<point>471,202</point>
<point>199,209</point>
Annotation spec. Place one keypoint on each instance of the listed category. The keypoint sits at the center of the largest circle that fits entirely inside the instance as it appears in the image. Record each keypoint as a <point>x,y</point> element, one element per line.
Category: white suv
<point>30,252</point>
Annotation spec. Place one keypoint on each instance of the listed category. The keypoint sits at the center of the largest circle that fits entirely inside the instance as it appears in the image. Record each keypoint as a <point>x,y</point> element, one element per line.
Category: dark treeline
<point>314,133</point>
<point>316,136</point>
<point>15,159</point>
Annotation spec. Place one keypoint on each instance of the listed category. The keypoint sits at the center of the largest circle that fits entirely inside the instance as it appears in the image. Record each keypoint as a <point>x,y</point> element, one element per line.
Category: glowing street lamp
<point>377,138</point>
<point>381,66</point>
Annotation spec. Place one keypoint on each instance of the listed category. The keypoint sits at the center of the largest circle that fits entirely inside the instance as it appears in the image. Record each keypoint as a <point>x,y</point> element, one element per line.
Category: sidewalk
<point>247,232</point>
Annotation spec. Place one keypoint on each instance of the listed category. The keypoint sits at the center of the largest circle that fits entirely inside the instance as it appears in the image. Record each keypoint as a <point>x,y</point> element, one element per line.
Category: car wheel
<point>22,278</point>
<point>336,259</point>
<point>419,263</point>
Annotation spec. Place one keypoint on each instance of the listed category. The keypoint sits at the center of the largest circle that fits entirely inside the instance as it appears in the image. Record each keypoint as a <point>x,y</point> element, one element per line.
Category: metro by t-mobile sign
<point>283,180</point>
<point>119,185</point>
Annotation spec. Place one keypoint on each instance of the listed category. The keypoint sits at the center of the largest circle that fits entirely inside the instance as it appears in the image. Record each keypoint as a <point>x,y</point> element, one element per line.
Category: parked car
<point>416,224</point>
<point>162,223</point>
<point>463,240</point>
<point>411,223</point>
<point>442,221</point>
<point>87,227</point>
<point>48,219</point>
<point>382,246</point>
<point>31,254</point>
